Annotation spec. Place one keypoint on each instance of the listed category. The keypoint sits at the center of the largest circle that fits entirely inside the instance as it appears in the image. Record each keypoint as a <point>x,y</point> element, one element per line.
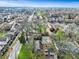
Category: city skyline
<point>39,3</point>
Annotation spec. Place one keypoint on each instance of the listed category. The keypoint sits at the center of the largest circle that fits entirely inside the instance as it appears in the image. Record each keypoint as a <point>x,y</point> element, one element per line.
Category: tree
<point>22,38</point>
<point>60,34</point>
<point>41,29</point>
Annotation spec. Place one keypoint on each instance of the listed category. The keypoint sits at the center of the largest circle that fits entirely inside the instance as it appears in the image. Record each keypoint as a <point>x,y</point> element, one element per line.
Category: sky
<point>39,3</point>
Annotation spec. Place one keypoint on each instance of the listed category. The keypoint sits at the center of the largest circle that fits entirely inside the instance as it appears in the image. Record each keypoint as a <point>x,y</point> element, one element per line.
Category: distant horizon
<point>40,3</point>
<point>36,7</point>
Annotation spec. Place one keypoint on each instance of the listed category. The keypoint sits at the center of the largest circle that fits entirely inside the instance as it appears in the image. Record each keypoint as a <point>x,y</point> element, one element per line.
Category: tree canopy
<point>41,29</point>
<point>60,34</point>
<point>22,38</point>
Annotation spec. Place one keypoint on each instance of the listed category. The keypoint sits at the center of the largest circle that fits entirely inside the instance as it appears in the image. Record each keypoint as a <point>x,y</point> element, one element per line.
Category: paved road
<point>49,57</point>
<point>30,17</point>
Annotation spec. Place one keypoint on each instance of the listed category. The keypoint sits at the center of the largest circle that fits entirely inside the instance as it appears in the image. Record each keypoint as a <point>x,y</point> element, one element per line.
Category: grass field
<point>68,56</point>
<point>26,52</point>
<point>77,56</point>
<point>2,34</point>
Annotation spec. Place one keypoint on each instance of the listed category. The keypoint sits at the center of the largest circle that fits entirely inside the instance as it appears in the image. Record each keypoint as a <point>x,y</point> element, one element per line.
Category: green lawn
<point>26,52</point>
<point>68,56</point>
<point>3,57</point>
<point>2,34</point>
<point>77,56</point>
